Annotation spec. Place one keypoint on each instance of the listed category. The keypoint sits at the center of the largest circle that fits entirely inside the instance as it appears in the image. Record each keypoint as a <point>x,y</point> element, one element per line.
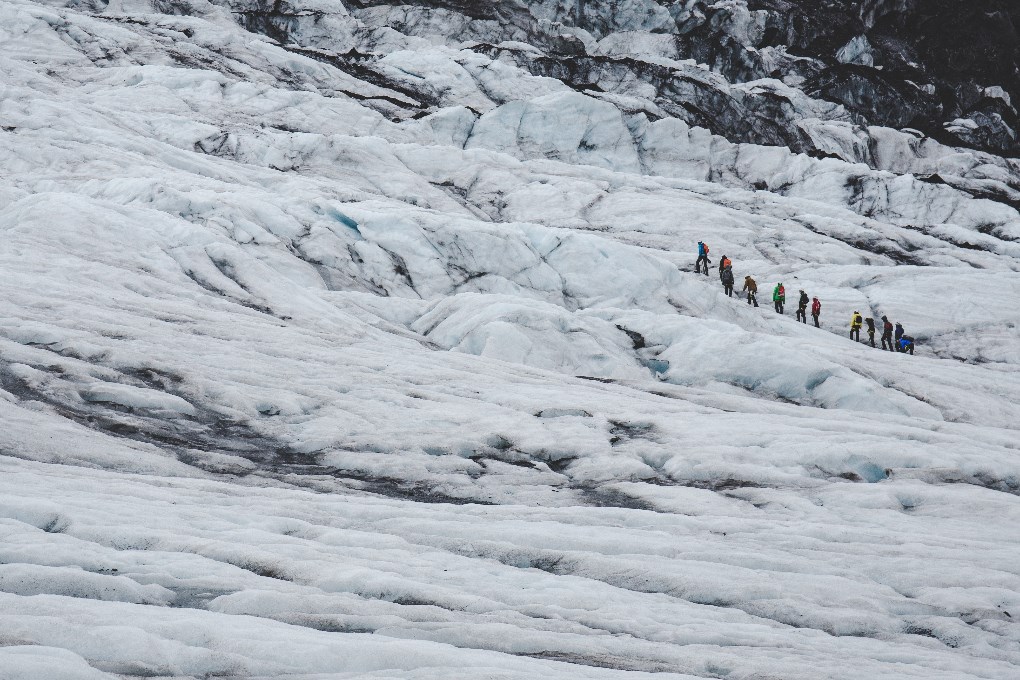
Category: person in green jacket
<point>779,297</point>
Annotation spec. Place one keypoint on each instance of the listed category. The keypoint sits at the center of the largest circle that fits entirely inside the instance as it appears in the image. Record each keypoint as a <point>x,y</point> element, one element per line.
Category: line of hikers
<point>901,343</point>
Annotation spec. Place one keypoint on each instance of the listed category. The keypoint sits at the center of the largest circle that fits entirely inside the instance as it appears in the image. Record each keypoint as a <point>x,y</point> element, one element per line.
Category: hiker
<point>802,307</point>
<point>887,329</point>
<point>816,309</point>
<point>702,258</point>
<point>752,290</point>
<point>856,321</point>
<point>907,345</point>
<point>727,281</point>
<point>723,264</point>
<point>870,323</point>
<point>899,335</point>
<point>779,297</point>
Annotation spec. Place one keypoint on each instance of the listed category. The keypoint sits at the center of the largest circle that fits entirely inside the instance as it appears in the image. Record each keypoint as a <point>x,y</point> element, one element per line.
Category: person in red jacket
<point>816,310</point>
<point>887,341</point>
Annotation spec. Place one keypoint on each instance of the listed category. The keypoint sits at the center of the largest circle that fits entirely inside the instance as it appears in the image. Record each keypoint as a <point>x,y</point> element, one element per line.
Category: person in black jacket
<point>727,281</point>
<point>802,307</point>
<point>870,323</point>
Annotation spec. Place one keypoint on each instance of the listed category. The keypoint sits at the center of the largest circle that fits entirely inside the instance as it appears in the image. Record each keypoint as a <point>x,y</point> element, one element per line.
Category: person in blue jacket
<point>702,258</point>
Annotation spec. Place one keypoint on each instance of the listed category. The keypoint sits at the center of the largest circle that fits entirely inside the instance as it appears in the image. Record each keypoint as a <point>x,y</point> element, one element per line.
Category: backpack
<point>782,292</point>
<point>858,320</point>
<point>816,308</point>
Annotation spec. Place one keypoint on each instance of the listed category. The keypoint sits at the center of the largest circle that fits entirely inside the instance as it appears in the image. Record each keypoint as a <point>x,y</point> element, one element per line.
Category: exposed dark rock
<point>949,69</point>
<point>470,8</point>
<point>636,338</point>
<point>875,97</point>
<point>936,57</point>
<point>762,117</point>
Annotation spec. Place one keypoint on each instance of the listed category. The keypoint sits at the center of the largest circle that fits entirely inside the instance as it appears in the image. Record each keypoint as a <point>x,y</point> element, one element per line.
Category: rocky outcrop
<point>947,68</point>
<point>949,71</point>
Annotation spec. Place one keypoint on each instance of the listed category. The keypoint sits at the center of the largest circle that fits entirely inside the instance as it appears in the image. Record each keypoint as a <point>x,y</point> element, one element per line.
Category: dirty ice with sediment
<point>357,339</point>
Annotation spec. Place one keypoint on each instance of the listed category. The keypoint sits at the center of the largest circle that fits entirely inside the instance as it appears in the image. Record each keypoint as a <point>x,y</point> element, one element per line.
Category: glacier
<point>363,339</point>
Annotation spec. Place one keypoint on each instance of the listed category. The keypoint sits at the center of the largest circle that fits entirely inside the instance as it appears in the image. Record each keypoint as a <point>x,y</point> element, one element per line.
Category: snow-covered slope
<point>363,340</point>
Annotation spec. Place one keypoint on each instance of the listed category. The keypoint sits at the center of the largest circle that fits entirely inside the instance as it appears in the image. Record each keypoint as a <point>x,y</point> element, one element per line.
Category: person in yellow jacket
<point>856,321</point>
